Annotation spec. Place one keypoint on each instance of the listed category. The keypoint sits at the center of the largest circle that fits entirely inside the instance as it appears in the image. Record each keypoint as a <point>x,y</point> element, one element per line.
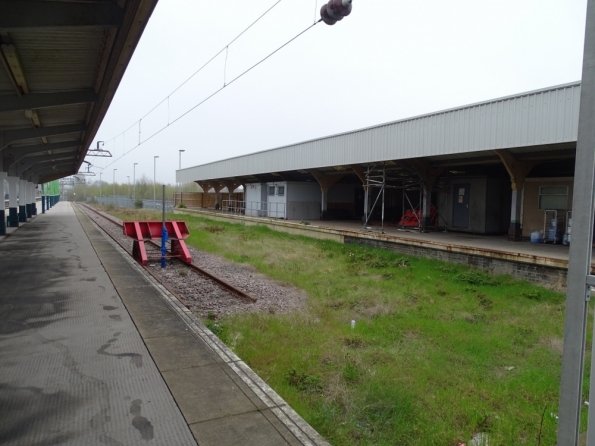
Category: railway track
<point>231,289</point>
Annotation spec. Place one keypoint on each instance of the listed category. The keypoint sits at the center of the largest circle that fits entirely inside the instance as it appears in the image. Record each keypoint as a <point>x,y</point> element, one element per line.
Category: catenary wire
<point>216,92</point>
<point>207,63</point>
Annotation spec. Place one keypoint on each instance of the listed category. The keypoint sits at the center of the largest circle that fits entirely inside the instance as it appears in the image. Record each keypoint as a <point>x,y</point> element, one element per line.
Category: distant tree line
<point>144,189</point>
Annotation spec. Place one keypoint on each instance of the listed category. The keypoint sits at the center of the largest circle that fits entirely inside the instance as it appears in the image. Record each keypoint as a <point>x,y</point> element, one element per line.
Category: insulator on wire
<point>335,10</point>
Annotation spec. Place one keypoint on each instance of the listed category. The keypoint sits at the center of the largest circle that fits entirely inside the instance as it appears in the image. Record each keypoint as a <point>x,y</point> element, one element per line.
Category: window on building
<point>271,190</point>
<point>553,197</point>
<point>280,190</point>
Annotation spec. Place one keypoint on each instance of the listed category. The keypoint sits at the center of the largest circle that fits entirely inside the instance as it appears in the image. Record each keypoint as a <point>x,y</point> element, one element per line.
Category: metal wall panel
<point>548,116</point>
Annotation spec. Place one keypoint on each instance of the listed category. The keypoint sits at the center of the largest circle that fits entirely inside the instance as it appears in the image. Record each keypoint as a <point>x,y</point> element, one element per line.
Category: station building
<point>493,167</point>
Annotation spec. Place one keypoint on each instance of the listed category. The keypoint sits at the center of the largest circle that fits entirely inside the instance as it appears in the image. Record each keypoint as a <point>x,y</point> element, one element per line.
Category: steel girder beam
<point>359,172</point>
<point>12,167</point>
<point>20,14</point>
<point>29,162</point>
<point>60,169</point>
<point>18,153</point>
<point>45,100</point>
<point>9,136</point>
<point>518,170</point>
<point>47,176</point>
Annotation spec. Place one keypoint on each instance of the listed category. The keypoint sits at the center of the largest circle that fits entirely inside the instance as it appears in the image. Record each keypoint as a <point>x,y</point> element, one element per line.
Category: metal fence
<point>126,202</point>
<point>254,208</point>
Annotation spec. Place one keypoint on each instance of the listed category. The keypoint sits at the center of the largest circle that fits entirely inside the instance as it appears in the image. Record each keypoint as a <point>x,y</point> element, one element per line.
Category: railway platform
<point>541,263</point>
<point>93,351</point>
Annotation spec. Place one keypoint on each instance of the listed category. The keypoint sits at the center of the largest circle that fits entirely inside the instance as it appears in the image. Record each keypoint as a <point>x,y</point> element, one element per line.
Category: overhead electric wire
<point>203,66</point>
<point>215,92</point>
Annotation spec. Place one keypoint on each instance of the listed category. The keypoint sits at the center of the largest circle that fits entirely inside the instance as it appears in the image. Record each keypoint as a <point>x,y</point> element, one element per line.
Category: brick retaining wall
<point>541,275</point>
<point>545,275</point>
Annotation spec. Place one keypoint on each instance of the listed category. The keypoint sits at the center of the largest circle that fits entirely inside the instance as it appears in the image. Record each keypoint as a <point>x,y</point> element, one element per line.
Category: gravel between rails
<point>204,297</point>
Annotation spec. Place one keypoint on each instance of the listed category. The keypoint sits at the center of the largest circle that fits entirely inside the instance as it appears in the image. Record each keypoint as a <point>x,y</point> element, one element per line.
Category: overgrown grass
<point>133,214</point>
<point>439,351</point>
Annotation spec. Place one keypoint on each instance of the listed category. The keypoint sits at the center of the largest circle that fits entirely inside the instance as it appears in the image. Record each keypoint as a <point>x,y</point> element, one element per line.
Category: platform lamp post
<point>114,186</point>
<point>134,180</point>
<point>154,176</point>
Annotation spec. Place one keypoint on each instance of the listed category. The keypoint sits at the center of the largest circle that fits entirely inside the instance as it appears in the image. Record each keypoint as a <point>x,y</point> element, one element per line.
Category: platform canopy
<point>60,65</point>
<point>532,131</point>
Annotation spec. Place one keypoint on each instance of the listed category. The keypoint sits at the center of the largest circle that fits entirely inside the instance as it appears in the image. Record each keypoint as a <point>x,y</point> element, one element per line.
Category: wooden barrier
<point>203,200</point>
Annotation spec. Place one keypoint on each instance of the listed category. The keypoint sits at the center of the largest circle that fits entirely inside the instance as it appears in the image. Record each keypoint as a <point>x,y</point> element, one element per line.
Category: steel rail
<point>242,295</point>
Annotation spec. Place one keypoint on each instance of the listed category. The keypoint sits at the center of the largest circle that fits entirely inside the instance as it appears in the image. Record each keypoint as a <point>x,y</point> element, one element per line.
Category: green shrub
<point>474,277</point>
<point>532,294</point>
<point>351,372</point>
<point>214,229</point>
<point>304,382</point>
<point>215,327</point>
<point>181,206</point>
<point>138,204</point>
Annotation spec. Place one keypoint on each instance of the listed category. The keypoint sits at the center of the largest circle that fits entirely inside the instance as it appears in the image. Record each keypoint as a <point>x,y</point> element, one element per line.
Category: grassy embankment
<point>439,351</point>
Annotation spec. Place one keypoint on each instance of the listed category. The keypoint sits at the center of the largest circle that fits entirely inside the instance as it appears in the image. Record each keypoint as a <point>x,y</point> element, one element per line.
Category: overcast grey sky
<point>390,59</point>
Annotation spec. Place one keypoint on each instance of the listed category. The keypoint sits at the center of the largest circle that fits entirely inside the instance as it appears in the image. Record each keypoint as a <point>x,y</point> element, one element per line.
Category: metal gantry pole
<point>180,168</point>
<point>383,187</point>
<point>579,264</point>
<point>134,180</point>
<point>154,190</point>
<point>114,187</point>
<point>366,198</point>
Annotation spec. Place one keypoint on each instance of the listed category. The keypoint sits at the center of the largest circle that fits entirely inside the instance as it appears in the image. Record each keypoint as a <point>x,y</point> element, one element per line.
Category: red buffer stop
<point>141,231</point>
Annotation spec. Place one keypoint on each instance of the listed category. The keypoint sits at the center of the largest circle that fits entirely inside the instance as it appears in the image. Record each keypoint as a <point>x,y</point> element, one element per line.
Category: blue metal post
<point>164,234</point>
<point>164,238</point>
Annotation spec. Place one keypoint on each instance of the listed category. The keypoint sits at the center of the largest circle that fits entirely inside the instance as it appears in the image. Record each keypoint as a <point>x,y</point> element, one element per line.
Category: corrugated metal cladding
<point>547,116</point>
<point>66,137</point>
<point>14,119</point>
<point>6,86</point>
<point>60,59</point>
<point>67,114</point>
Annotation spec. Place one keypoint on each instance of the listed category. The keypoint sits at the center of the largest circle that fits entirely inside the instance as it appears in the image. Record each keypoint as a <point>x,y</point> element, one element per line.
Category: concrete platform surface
<point>488,242</point>
<point>93,351</point>
<point>73,368</point>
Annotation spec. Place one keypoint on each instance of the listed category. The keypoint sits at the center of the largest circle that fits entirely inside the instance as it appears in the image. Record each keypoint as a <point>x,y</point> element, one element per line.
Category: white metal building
<point>469,162</point>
